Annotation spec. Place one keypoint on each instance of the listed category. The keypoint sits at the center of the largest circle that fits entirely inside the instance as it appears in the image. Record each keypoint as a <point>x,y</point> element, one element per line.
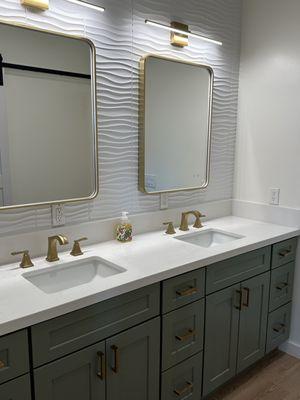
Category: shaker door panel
<point>221,335</point>
<point>133,361</point>
<point>253,321</point>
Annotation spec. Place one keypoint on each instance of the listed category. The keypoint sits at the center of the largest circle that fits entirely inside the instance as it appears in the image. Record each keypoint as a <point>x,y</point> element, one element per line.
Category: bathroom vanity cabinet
<point>182,337</point>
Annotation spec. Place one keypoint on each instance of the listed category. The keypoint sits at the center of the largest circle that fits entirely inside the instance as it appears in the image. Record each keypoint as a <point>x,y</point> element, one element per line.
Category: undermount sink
<point>209,237</point>
<point>73,274</point>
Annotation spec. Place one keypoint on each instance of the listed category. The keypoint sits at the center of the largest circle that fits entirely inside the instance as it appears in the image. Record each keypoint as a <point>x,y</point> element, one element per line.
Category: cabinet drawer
<point>182,332</point>
<point>183,289</point>
<point>282,280</point>
<point>237,269</point>
<point>17,389</point>
<point>284,252</point>
<point>68,333</point>
<point>183,381</point>
<point>14,357</point>
<point>278,327</point>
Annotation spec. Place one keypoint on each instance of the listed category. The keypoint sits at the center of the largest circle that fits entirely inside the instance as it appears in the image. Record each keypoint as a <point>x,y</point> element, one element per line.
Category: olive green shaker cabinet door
<point>79,376</point>
<point>17,389</point>
<point>253,320</point>
<point>133,363</point>
<point>221,337</point>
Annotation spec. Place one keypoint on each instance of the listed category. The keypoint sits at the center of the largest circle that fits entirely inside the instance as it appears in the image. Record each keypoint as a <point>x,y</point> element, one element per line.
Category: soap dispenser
<point>124,229</point>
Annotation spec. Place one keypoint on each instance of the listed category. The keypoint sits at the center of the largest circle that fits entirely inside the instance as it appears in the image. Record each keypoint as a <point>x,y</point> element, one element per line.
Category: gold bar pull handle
<point>285,253</point>
<point>187,388</point>
<point>187,291</point>
<point>2,364</point>
<point>101,364</point>
<point>279,328</point>
<point>116,366</point>
<point>190,333</point>
<point>282,285</point>
<point>245,302</point>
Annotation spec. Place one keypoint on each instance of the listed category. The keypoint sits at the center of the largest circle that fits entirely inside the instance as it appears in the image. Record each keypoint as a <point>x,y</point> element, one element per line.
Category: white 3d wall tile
<point>121,37</point>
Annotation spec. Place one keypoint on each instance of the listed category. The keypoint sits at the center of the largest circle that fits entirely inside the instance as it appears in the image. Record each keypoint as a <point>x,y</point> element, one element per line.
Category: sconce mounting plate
<point>39,4</point>
<point>179,39</point>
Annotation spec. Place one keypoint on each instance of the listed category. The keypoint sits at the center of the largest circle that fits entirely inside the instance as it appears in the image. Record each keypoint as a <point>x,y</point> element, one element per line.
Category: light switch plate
<point>58,215</point>
<point>164,201</point>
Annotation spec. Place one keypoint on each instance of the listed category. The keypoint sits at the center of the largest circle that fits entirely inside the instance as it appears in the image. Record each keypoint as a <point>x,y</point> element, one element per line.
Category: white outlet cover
<point>274,196</point>
<point>58,215</point>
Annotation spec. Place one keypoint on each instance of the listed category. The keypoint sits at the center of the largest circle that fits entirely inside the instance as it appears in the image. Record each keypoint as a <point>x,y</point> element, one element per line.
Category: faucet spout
<point>184,220</point>
<point>52,246</point>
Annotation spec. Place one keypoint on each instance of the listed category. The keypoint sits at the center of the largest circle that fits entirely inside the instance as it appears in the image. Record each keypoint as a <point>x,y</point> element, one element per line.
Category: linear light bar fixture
<point>180,33</point>
<point>39,4</point>
<point>88,5</point>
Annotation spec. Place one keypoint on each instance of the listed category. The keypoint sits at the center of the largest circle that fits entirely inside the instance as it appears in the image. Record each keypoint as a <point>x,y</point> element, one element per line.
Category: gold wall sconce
<point>179,33</point>
<point>39,4</point>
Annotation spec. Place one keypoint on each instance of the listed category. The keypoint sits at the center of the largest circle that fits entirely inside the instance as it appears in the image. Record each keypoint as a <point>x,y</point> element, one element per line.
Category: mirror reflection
<point>176,118</point>
<point>47,122</point>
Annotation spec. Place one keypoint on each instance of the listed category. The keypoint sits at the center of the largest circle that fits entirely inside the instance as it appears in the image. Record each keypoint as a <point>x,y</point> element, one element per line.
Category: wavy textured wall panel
<point>121,38</point>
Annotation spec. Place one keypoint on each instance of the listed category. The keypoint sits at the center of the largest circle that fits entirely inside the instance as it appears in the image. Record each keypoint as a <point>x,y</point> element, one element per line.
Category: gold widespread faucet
<point>184,220</point>
<point>52,246</point>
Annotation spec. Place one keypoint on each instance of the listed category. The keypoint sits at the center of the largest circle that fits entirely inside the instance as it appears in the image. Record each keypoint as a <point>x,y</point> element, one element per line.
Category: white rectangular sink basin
<point>209,237</point>
<point>73,274</point>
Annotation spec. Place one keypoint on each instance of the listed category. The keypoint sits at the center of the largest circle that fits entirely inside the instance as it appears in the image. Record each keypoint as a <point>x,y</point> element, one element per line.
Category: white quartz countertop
<point>149,258</point>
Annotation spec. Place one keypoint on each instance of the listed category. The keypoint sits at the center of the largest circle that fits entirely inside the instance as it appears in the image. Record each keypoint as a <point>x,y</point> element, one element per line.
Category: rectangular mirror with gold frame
<point>48,141</point>
<point>175,125</point>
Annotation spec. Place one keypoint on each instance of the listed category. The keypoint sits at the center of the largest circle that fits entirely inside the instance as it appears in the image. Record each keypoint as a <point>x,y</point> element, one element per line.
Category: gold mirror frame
<point>143,63</point>
<point>94,116</point>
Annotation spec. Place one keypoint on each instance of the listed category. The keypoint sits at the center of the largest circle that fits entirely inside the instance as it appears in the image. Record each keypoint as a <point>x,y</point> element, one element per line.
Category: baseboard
<point>291,348</point>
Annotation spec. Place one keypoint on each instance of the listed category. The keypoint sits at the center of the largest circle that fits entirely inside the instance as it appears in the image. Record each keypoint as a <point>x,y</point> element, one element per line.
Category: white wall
<point>269,118</point>
<point>268,139</point>
<point>121,38</point>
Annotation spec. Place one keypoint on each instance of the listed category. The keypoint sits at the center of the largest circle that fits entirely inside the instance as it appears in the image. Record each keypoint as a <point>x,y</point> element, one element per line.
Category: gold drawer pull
<point>101,360</point>
<point>245,303</point>
<point>190,333</point>
<point>282,285</point>
<point>285,253</point>
<point>2,365</point>
<point>279,328</point>
<point>187,292</point>
<point>116,366</point>
<point>187,388</point>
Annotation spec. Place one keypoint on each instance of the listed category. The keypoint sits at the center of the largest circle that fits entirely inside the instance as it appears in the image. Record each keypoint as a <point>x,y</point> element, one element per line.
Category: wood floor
<point>276,378</point>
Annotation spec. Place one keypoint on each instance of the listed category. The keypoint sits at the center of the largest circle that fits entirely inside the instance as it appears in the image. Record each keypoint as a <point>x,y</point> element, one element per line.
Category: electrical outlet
<point>58,215</point>
<point>274,196</point>
<point>164,201</point>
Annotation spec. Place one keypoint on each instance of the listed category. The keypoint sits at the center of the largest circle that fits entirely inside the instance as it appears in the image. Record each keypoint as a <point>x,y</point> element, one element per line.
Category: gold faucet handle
<point>170,229</point>
<point>76,251</point>
<point>198,223</point>
<point>26,260</point>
